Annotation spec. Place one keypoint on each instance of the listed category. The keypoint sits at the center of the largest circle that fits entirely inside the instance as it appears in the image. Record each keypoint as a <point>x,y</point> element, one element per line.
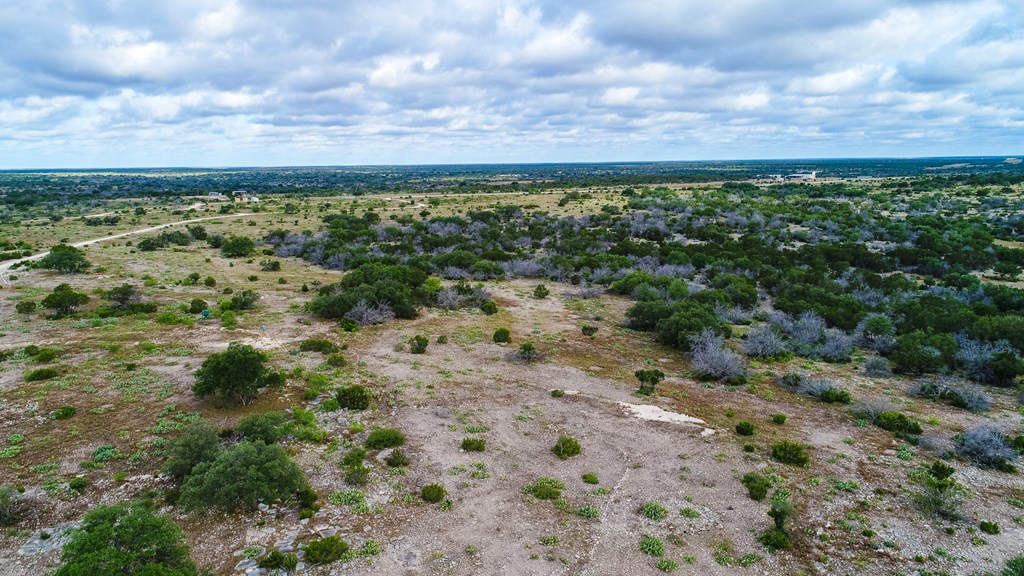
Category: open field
<point>130,377</point>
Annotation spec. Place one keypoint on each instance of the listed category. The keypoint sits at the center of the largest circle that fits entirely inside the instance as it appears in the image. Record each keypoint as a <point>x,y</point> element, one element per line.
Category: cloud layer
<point>263,82</point>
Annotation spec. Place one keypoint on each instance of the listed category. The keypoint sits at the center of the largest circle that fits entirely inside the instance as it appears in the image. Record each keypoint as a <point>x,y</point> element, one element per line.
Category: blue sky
<point>109,83</point>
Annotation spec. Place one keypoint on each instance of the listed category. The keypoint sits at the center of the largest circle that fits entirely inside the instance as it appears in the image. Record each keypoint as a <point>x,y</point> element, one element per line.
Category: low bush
<point>354,457</point>
<point>898,423</point>
<point>545,488</point>
<point>489,307</point>
<point>277,560</point>
<point>354,397</point>
<point>325,550</point>
<point>775,540</point>
<point>652,546</point>
<point>64,412</point>
<point>241,477</point>
<point>25,307</point>
<point>589,330</point>
<point>757,485</point>
<point>397,459</point>
<point>653,511</point>
<point>959,394</point>
<point>502,336</point>
<point>744,428</point>
<point>199,443</point>
<point>788,452</point>
<point>877,367</point>
<point>986,446</point>
<point>418,344</point>
<point>318,345</point>
<point>268,427</point>
<point>384,438</point>
<point>433,493</point>
<point>590,478</point>
<point>779,419</point>
<point>990,528</point>
<point>566,447</point>
<point>337,360</point>
<point>527,351</point>
<point>474,444</point>
<point>41,374</point>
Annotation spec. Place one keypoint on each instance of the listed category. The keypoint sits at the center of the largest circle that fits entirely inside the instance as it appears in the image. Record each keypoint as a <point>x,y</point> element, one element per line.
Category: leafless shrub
<point>870,408</point>
<point>877,367</point>
<point>976,356</point>
<point>836,347</point>
<point>450,299</point>
<point>366,314</point>
<point>711,359</point>
<point>734,315</point>
<point>454,273</point>
<point>939,446</point>
<point>764,342</point>
<point>986,446</point>
<point>585,293</point>
<point>523,269</point>
<point>955,392</point>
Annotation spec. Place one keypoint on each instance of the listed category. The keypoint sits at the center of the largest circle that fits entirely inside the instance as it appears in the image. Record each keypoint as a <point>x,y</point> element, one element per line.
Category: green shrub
<point>433,493</point>
<point>46,355</point>
<point>474,444</point>
<point>337,360</point>
<point>235,374</point>
<point>489,307</point>
<point>557,393</point>
<point>788,452</point>
<point>589,330</point>
<point>197,305</point>
<point>40,374</point>
<point>384,438</point>
<point>126,539</point>
<point>757,485</point>
<point>990,528</point>
<point>898,423</point>
<point>25,307</point>
<point>106,452</point>
<point>654,511</point>
<point>775,539</point>
<point>502,336</point>
<point>744,428</point>
<point>397,459</point>
<point>588,512</point>
<point>268,427</point>
<point>667,565</point>
<point>78,484</point>
<point>566,447</point>
<point>834,396</point>
<point>318,345</point>
<point>354,397</point>
<point>241,477</point>
<point>649,380</point>
<point>199,443</point>
<point>590,478</point>
<point>357,475</point>
<point>10,507</point>
<point>64,412</point>
<point>354,457</point>
<point>527,351</point>
<point>545,488</point>
<point>779,419</point>
<point>652,546</point>
<point>277,560</point>
<point>418,344</point>
<point>325,550</point>
<point>541,291</point>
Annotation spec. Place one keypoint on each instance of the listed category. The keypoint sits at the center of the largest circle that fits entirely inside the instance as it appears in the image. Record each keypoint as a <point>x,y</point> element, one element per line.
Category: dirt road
<point>5,267</point>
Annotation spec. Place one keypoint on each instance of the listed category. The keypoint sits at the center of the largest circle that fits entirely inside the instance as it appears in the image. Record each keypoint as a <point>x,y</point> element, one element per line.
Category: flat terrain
<point>129,379</point>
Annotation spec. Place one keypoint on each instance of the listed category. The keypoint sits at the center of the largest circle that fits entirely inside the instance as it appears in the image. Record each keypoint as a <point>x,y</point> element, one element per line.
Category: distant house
<point>803,175</point>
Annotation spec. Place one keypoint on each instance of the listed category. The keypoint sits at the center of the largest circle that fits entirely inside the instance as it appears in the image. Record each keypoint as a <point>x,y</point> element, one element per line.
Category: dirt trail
<point>5,267</point>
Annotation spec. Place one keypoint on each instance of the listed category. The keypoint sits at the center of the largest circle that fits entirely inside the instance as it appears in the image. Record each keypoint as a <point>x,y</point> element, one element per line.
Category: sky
<point>134,83</point>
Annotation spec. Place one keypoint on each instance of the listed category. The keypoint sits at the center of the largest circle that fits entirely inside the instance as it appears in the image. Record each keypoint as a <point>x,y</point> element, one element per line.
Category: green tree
<point>233,375</point>
<point>123,296</point>
<point>63,300</point>
<point>237,247</point>
<point>649,380</point>
<point>65,259</point>
<point>242,476</point>
<point>126,539</point>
